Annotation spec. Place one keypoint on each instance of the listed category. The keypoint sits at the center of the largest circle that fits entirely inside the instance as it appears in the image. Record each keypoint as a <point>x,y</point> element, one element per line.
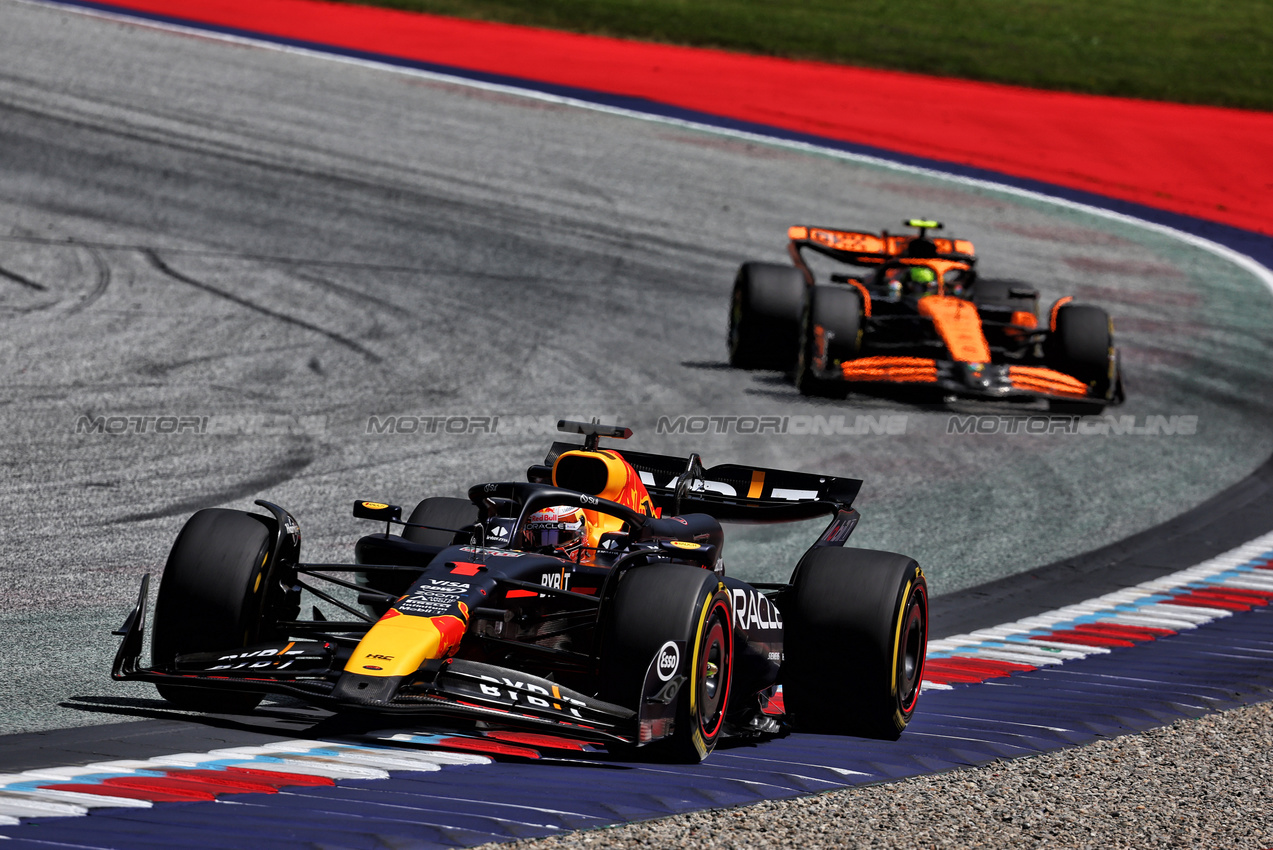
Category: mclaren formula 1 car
<point>589,601</point>
<point>917,314</point>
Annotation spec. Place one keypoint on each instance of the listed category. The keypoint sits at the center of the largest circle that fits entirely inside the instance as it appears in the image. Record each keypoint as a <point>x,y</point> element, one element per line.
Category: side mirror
<point>703,554</point>
<point>377,510</point>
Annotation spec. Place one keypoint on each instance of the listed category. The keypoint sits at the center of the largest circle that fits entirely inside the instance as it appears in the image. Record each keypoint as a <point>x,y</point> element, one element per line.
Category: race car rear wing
<point>730,492</point>
<point>866,249</point>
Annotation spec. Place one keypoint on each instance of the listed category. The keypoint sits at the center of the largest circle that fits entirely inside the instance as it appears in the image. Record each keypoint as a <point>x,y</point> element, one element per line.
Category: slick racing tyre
<point>830,333</point>
<point>855,628</point>
<point>764,316</point>
<point>442,512</point>
<point>212,597</point>
<point>1082,345</point>
<point>653,606</point>
<point>998,304</point>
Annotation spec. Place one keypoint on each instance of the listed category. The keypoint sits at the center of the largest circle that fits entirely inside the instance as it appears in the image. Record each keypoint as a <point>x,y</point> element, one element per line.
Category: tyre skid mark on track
<point>100,286</point>
<point>407,783</point>
<point>284,470</point>
<point>102,276</point>
<point>158,262</point>
<point>22,279</point>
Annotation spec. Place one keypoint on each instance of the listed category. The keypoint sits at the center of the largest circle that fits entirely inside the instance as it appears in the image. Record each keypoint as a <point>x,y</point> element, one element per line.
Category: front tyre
<point>687,605</point>
<point>441,512</point>
<point>1082,345</point>
<point>855,637</point>
<point>211,598</point>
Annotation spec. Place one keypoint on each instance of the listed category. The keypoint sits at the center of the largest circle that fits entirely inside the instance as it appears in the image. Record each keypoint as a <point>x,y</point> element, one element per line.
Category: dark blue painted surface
<point>1220,665</point>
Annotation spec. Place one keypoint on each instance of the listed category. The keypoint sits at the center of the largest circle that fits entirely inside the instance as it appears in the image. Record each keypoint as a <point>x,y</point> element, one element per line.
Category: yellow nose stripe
<point>396,647</point>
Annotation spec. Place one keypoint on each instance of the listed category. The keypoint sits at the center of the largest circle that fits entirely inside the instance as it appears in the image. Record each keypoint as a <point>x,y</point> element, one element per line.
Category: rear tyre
<point>830,333</point>
<point>855,634</point>
<point>673,602</point>
<point>442,512</point>
<point>764,316</point>
<point>212,597</point>
<point>998,308</point>
<point>997,294</point>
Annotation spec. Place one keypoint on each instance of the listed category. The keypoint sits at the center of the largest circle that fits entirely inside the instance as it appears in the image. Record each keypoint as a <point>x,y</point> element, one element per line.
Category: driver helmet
<point>920,281</point>
<point>958,282</point>
<point>561,530</point>
<point>893,283</point>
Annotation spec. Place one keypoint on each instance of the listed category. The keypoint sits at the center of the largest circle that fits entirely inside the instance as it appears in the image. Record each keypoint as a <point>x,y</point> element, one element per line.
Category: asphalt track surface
<point>1196,160</point>
<point>289,246</point>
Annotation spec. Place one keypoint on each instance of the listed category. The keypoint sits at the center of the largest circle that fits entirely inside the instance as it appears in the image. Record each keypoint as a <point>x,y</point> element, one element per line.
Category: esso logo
<point>668,661</point>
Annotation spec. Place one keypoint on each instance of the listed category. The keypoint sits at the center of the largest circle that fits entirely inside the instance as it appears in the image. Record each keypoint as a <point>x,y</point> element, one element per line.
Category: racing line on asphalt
<point>1182,645</point>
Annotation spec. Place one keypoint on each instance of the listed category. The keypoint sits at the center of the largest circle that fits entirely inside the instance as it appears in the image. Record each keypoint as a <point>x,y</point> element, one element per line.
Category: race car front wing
<point>985,380</point>
<point>451,688</point>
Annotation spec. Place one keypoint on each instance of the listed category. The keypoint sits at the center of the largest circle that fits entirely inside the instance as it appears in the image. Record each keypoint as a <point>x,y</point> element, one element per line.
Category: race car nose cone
<point>985,378</point>
<point>976,375</point>
<point>356,689</point>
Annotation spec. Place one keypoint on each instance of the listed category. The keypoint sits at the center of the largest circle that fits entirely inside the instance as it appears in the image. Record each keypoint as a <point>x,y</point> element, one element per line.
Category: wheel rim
<point>715,663</point>
<point>913,642</point>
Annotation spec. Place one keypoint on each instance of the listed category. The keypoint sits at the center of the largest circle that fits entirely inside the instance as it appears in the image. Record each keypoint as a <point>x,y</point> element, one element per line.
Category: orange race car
<point>918,314</point>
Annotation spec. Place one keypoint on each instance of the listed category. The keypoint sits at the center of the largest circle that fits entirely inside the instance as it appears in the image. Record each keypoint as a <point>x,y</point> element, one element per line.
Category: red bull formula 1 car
<point>589,601</point>
<point>919,315</point>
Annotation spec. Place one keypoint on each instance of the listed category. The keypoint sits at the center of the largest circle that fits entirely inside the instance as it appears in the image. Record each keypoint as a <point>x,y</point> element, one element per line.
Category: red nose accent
<point>460,568</point>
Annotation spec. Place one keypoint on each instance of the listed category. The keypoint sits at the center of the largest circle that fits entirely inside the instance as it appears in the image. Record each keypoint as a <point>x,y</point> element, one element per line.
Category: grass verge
<point>1217,52</point>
